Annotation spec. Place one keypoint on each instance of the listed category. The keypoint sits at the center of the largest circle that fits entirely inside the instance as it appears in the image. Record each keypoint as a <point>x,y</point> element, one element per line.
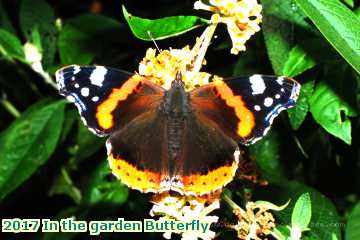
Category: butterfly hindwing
<point>244,107</point>
<point>107,98</point>
<point>137,152</point>
<point>209,157</point>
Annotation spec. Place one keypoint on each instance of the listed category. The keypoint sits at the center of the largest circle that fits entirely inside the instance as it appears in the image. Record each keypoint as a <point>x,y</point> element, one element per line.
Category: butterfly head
<point>178,82</point>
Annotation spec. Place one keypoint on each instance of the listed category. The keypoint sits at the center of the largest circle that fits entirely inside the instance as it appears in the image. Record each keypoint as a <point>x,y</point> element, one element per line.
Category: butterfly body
<point>174,140</point>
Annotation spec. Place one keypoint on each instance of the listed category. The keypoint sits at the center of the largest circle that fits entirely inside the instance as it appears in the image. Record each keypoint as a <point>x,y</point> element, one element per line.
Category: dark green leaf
<point>36,38</point>
<point>64,185</point>
<point>277,35</point>
<point>349,2</point>
<point>331,111</point>
<point>87,143</point>
<point>298,113</point>
<point>10,46</point>
<point>267,157</point>
<point>80,39</point>
<point>5,22</point>
<point>157,29</point>
<point>102,190</point>
<point>45,22</point>
<point>301,214</point>
<point>287,11</point>
<point>297,62</point>
<point>324,222</point>
<point>357,12</point>
<point>28,144</point>
<point>28,19</point>
<point>352,230</point>
<point>338,24</point>
<point>70,118</point>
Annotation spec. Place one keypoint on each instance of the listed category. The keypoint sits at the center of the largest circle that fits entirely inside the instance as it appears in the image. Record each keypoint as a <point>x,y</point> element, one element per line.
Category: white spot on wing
<point>85,92</point>
<point>277,96</point>
<point>257,84</point>
<point>76,85</point>
<point>60,79</point>
<point>95,99</point>
<point>280,80</point>
<point>108,147</point>
<point>257,108</point>
<point>97,77</point>
<point>295,91</point>
<point>268,102</point>
<point>76,69</point>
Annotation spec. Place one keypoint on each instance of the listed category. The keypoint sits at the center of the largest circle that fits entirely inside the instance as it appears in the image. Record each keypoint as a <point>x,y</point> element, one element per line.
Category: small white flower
<point>186,209</point>
<point>242,18</point>
<point>32,53</point>
<point>163,67</point>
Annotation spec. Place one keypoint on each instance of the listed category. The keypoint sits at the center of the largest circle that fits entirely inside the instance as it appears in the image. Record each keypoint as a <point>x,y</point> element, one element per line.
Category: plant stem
<point>10,108</point>
<point>205,40</point>
<point>231,203</point>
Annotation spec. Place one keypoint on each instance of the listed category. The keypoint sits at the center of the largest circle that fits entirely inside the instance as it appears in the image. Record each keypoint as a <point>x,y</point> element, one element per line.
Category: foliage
<point>51,166</point>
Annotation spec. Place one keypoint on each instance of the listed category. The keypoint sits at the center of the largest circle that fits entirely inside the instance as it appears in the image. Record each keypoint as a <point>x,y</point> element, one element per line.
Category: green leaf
<point>87,143</point>
<point>162,28</point>
<point>64,185</point>
<point>281,232</point>
<point>10,46</point>
<point>331,111</point>
<point>28,19</point>
<point>297,62</point>
<point>279,18</point>
<point>350,3</point>
<point>271,206</point>
<point>298,113</point>
<point>28,143</point>
<point>324,223</point>
<point>44,22</point>
<point>338,24</point>
<point>288,11</point>
<point>352,230</point>
<point>80,39</point>
<point>301,214</point>
<point>70,118</point>
<point>277,35</point>
<point>357,12</point>
<point>267,157</point>
<point>36,38</point>
<point>102,190</point>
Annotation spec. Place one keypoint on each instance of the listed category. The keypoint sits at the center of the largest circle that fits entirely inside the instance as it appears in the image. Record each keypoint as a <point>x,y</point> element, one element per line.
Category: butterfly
<point>173,140</point>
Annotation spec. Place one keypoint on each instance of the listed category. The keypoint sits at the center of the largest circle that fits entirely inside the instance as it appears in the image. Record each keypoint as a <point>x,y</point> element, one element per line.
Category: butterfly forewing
<point>107,98</point>
<point>244,107</point>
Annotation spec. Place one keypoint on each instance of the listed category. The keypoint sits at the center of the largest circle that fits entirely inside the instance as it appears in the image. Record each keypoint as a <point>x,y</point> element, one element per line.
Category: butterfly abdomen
<point>175,126</point>
<point>176,109</point>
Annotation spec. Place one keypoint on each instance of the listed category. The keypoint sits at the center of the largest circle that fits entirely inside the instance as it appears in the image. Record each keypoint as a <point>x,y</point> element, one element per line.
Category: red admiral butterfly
<point>162,140</point>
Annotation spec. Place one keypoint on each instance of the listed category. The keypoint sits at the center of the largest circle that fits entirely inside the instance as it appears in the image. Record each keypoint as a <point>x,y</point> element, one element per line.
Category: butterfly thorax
<point>176,109</point>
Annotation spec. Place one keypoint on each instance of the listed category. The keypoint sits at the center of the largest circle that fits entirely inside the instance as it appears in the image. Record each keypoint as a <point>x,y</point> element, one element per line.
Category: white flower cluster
<point>242,18</point>
<point>186,209</point>
<point>162,67</point>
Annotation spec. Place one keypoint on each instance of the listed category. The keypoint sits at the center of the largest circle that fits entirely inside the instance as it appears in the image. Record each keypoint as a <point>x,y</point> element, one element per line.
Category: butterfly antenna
<point>152,39</point>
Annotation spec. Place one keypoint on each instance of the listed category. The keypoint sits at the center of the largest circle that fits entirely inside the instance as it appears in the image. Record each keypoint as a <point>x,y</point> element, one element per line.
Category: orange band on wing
<point>210,182</point>
<point>104,110</point>
<point>247,121</point>
<point>144,181</point>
